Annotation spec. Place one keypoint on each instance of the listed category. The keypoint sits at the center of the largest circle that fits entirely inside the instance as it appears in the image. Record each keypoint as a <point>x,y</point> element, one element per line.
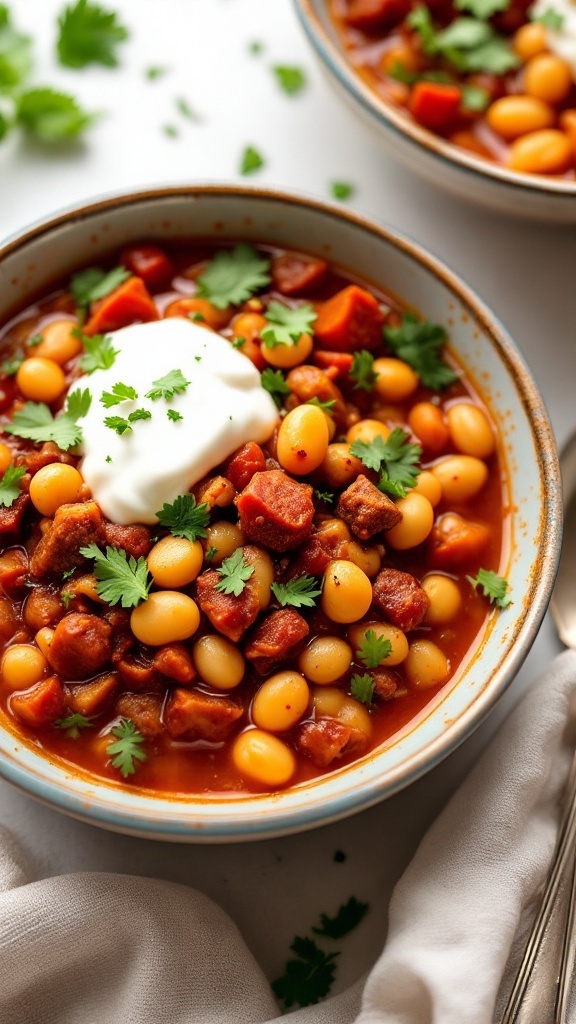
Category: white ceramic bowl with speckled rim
<point>537,196</point>
<point>31,261</point>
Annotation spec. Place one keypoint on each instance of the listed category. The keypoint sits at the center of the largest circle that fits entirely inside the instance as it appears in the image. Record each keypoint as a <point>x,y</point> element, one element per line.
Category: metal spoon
<point>546,970</point>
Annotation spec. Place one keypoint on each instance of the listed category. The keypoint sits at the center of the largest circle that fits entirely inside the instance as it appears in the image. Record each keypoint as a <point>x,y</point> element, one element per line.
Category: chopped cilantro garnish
<point>11,366</point>
<point>89,34</point>
<point>467,43</point>
<point>286,324</point>
<point>494,587</point>
<point>419,343</point>
<point>119,424</point>
<point>274,382</point>
<point>298,593</point>
<point>341,190</point>
<point>127,749</point>
<point>474,98</point>
<point>73,723</point>
<point>362,371</point>
<point>99,353</point>
<point>35,340</point>
<point>362,688</point>
<point>328,497</point>
<point>374,649</point>
<point>290,79</point>
<point>307,979</point>
<point>326,406</point>
<point>255,48</point>
<point>348,917</point>
<point>250,161</point>
<point>172,383</point>
<point>170,130</point>
<point>51,115</point>
<point>155,71</point>
<point>210,552</point>
<point>233,276</point>
<point>15,53</point>
<point>238,343</point>
<point>184,518</point>
<point>93,283</point>
<point>10,488</point>
<point>184,108</point>
<point>120,393</point>
<point>235,571</point>
<point>66,596</point>
<point>35,421</point>
<point>139,414</point>
<point>174,416</point>
<point>120,578</point>
<point>396,459</point>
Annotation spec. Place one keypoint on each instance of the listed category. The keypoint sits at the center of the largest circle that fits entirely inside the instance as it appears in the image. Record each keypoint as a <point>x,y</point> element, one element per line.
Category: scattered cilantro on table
<point>93,283</point>
<point>183,107</point>
<point>348,917</point>
<point>419,343</point>
<point>374,649</point>
<point>274,382</point>
<point>89,34</point>
<point>494,587</point>
<point>291,79</point>
<point>35,421</point>
<point>172,383</point>
<point>298,593</point>
<point>341,190</point>
<point>286,324</point>
<point>73,723</point>
<point>155,71</point>
<point>362,372</point>
<point>10,487</point>
<point>234,572</point>
<point>250,161</point>
<point>396,459</point>
<point>121,579</point>
<point>184,518</point>
<point>127,748</point>
<point>255,47</point>
<point>233,276</point>
<point>99,353</point>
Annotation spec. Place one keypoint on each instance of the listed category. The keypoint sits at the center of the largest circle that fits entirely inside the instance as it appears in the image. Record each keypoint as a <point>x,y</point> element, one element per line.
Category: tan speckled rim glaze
<point>333,57</point>
<point>369,780</point>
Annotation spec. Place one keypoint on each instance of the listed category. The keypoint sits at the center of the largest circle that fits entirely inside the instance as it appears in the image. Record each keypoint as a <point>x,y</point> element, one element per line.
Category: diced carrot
<point>371,15</point>
<point>293,274</point>
<point>150,263</point>
<point>350,320</point>
<point>340,362</point>
<point>200,311</point>
<point>129,303</point>
<point>435,104</point>
<point>41,705</point>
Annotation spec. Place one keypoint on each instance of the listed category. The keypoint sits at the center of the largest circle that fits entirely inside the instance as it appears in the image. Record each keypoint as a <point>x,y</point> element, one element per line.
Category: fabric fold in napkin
<point>173,957</point>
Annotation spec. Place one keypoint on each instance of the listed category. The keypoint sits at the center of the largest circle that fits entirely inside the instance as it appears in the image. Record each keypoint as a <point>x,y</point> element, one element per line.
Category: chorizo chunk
<point>293,274</point>
<point>49,453</point>
<point>136,541</point>
<point>400,598</point>
<point>275,638</point>
<point>276,511</point>
<point>175,661</point>
<point>80,646</point>
<point>144,709</point>
<point>43,608</point>
<point>386,682</point>
<point>366,510</point>
<point>316,554</point>
<point>228,614</point>
<point>198,716</point>
<point>11,515</point>
<point>138,673</point>
<point>40,706</point>
<point>240,469</point>
<point>73,527</point>
<point>328,740</point>
<point>13,571</point>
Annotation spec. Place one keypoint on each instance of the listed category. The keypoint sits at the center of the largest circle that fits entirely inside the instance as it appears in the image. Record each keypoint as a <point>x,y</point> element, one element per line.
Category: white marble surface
<point>525,271</point>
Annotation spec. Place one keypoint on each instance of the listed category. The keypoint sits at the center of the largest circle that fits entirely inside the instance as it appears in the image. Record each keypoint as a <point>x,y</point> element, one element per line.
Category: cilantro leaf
<point>251,161</point>
<point>10,485</point>
<point>419,343</point>
<point>374,649</point>
<point>15,53</point>
<point>362,371</point>
<point>73,723</point>
<point>362,688</point>
<point>118,423</point>
<point>51,115</point>
<point>494,587</point>
<point>88,34</point>
<point>35,421</point>
<point>550,18</point>
<point>173,415</point>
<point>299,593</point>
<point>93,283</point>
<point>286,324</point>
<point>127,749</point>
<point>396,458</point>
<point>307,979</point>
<point>482,9</point>
<point>155,71</point>
<point>348,917</point>
<point>143,414</point>
<point>233,276</point>
<point>274,382</point>
<point>120,393</point>
<point>184,108</point>
<point>326,406</point>
<point>290,79</point>
<point>234,571</point>
<point>328,497</point>
<point>172,383</point>
<point>99,353</point>
<point>184,518</point>
<point>11,366</point>
<point>120,579</point>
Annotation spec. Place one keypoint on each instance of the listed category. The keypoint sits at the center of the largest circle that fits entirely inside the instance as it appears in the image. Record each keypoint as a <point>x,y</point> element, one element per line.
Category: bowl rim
<point>173,822</point>
<point>417,135</point>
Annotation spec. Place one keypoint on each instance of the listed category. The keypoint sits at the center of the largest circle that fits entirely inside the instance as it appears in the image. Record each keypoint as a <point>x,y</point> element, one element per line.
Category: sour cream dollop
<point>562,42</point>
<point>133,474</point>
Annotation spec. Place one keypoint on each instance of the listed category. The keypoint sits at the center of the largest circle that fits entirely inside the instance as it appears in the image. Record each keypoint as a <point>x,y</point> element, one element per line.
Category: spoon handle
<point>567,957</point>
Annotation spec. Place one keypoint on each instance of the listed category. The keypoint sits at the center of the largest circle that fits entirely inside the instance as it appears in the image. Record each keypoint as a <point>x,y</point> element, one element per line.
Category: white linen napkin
<point>114,949</point>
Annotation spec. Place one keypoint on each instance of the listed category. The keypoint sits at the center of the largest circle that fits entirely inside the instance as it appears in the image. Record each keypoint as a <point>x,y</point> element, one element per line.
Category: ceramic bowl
<point>29,263</point>
<point>462,173</point>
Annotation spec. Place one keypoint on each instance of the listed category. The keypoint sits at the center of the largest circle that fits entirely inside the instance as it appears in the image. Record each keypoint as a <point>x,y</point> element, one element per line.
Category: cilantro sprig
<point>184,518</point>
<point>349,916</point>
<point>120,393</point>
<point>362,370</point>
<point>286,324</point>
<point>99,353</point>
<point>494,587</point>
<point>93,283</point>
<point>290,78</point>
<point>10,485</point>
<point>309,977</point>
<point>396,459</point>
<point>74,723</point>
<point>362,688</point>
<point>298,593</point>
<point>172,383</point>
<point>274,382</point>
<point>89,34</point>
<point>121,579</point>
<point>374,649</point>
<point>419,343</point>
<point>233,276</point>
<point>127,748</point>
<point>35,421</point>
<point>235,572</point>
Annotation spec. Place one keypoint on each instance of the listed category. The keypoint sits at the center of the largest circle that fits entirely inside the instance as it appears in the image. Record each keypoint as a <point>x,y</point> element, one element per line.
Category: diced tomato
<point>435,104</point>
<point>350,320</point>
<point>150,263</point>
<point>456,542</point>
<point>293,274</point>
<point>128,304</point>
<point>340,362</point>
<point>371,15</point>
